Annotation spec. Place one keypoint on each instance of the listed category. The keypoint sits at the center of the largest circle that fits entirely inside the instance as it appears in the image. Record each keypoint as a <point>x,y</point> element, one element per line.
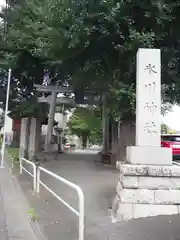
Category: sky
<point>172,118</point>
<point>2,2</point>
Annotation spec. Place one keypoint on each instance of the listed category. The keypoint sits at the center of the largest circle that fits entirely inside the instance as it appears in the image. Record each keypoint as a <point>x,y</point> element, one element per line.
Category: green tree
<point>164,129</point>
<point>86,123</point>
<point>84,42</point>
<point>27,69</point>
<point>172,131</point>
<point>93,44</point>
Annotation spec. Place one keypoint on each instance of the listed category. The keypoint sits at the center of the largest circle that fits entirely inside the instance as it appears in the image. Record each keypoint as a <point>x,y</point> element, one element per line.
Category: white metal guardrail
<point>79,213</point>
<point>176,163</point>
<point>33,175</point>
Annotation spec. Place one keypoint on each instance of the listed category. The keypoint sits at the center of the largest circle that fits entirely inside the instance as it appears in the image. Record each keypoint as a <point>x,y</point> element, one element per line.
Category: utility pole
<point>5,119</point>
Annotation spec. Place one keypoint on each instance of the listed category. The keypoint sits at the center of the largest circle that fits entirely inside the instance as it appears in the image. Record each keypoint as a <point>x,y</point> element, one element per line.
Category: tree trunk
<point>125,138</point>
<point>105,125</point>
<point>16,138</point>
<point>84,140</point>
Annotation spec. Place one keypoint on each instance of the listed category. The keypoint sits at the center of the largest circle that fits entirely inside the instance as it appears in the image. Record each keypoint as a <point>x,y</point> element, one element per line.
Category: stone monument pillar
<point>34,138</point>
<point>24,137</point>
<point>52,110</point>
<point>148,184</point>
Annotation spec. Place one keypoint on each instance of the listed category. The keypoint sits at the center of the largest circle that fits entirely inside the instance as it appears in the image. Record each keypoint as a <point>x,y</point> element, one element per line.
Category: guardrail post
<point>38,180</point>
<point>20,161</point>
<point>12,163</point>
<point>35,176</point>
<point>81,215</point>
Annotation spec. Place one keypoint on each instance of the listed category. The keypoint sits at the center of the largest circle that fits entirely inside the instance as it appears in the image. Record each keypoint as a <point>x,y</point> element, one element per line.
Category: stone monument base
<point>149,155</point>
<point>146,190</point>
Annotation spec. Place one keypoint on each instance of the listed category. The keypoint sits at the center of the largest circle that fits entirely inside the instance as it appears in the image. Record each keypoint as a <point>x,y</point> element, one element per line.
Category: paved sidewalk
<point>14,219</point>
<point>3,228</point>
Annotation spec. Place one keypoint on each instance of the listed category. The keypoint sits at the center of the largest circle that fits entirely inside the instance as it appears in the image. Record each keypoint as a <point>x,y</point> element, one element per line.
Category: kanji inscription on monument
<point>148,97</point>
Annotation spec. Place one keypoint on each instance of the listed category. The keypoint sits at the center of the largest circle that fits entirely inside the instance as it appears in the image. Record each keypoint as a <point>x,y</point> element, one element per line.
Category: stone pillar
<point>148,184</point>
<point>50,122</point>
<point>34,138</point>
<point>24,136</point>
<point>148,112</point>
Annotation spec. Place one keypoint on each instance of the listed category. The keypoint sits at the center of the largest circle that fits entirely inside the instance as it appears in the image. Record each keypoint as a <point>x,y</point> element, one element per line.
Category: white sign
<point>148,97</point>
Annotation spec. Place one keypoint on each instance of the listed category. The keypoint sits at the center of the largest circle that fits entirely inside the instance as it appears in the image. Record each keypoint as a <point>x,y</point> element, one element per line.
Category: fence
<point>34,174</point>
<point>79,213</point>
<point>37,182</point>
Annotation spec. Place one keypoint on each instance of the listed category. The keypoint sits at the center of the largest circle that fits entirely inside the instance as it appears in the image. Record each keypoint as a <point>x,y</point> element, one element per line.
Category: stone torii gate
<point>54,90</point>
<point>62,102</point>
<point>53,100</point>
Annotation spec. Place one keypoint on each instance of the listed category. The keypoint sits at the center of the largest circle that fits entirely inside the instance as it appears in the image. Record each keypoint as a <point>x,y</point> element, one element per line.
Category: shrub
<point>14,153</point>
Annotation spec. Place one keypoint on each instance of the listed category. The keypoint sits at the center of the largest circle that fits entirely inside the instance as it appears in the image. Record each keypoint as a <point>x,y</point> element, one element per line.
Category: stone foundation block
<point>125,212</point>
<point>149,170</point>
<point>175,171</point>
<point>136,196</point>
<point>167,196</point>
<point>129,182</point>
<point>119,186</point>
<point>130,211</point>
<point>145,190</point>
<point>149,155</point>
<point>148,210</point>
<point>151,183</point>
<point>121,211</point>
<point>165,183</point>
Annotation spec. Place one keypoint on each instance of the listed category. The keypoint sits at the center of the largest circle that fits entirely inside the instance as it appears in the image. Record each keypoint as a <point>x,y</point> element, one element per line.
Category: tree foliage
<point>86,123</point>
<point>164,129</point>
<point>27,70</point>
<point>92,45</point>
